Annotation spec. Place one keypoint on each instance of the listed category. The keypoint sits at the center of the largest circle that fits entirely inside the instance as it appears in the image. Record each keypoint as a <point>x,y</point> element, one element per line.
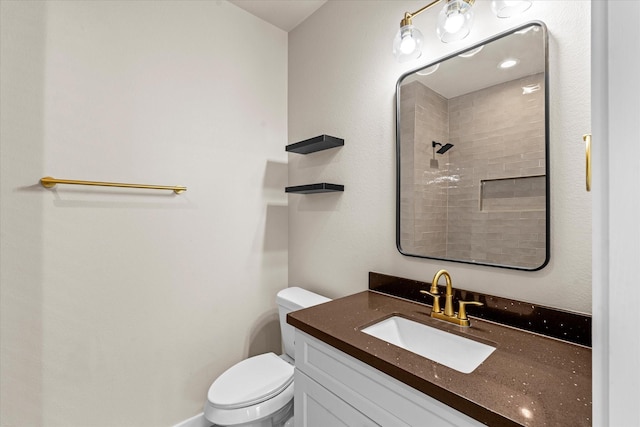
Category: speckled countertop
<point>529,380</point>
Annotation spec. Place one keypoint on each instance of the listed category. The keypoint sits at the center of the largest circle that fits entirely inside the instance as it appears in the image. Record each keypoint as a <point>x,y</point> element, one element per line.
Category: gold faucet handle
<point>436,300</point>
<point>462,313</point>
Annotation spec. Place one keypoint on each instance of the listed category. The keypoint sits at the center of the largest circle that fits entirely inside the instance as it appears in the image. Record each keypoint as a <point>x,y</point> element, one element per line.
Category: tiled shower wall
<point>407,145</point>
<point>425,118</point>
<point>491,183</point>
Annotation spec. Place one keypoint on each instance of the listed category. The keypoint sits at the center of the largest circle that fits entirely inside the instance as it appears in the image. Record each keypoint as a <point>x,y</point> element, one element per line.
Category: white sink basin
<point>459,353</point>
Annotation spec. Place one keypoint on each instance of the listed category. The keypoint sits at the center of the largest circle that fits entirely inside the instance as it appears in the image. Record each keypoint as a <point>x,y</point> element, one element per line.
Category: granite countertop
<point>529,380</point>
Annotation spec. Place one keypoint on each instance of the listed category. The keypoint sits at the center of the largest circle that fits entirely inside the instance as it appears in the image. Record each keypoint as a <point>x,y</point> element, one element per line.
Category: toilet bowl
<point>258,391</point>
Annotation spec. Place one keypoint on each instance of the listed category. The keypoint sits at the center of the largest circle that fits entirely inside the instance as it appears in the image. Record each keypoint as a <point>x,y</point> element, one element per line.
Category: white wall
<point>119,307</point>
<point>342,79</point>
<point>616,231</point>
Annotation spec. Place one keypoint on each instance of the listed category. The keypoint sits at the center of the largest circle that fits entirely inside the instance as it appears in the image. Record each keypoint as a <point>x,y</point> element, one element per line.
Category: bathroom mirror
<point>472,154</point>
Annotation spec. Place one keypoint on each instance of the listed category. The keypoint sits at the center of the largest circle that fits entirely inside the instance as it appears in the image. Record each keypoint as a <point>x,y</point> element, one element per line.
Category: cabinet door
<point>315,406</point>
<point>383,400</point>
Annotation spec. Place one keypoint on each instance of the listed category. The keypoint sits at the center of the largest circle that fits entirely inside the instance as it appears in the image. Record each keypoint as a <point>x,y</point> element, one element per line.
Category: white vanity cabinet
<point>335,389</point>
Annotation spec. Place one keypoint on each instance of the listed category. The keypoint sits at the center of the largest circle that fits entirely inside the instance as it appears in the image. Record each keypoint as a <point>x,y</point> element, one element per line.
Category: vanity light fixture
<point>454,23</point>
<point>455,20</point>
<point>407,44</point>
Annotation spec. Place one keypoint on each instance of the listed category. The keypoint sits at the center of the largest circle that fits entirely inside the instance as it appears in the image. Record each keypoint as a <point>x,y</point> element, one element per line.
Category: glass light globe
<point>509,8</point>
<point>407,44</point>
<point>454,21</point>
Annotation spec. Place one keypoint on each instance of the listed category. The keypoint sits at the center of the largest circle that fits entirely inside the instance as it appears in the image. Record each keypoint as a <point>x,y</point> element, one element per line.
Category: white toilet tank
<point>292,299</point>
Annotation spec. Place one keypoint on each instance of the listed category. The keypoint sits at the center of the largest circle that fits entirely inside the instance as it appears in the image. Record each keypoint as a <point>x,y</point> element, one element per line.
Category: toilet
<point>258,391</point>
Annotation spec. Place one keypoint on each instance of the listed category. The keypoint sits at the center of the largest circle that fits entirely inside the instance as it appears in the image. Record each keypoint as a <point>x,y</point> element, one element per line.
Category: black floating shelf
<point>314,188</point>
<point>319,143</point>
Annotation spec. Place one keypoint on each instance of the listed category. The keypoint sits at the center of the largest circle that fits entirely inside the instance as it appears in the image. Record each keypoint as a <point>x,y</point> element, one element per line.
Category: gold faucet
<point>449,313</point>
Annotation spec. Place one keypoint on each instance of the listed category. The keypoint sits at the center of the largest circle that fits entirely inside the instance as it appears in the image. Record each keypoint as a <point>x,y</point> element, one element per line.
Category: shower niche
<point>472,154</point>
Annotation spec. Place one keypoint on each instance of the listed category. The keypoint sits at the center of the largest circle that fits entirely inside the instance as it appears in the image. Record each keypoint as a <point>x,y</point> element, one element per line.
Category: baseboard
<point>195,421</point>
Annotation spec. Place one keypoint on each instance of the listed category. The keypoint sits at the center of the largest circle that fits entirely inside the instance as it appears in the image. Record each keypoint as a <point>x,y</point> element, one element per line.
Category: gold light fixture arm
<point>49,182</point>
<point>407,16</point>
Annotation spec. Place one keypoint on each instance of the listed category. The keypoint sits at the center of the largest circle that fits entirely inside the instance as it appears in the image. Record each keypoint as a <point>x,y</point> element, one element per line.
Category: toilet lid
<point>251,381</point>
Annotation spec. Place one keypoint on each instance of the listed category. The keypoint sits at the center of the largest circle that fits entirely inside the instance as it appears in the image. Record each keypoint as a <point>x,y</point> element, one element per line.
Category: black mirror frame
<point>546,144</point>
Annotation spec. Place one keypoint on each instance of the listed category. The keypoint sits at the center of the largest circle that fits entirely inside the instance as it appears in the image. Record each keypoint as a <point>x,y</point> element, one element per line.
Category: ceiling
<point>284,14</point>
<point>456,77</point>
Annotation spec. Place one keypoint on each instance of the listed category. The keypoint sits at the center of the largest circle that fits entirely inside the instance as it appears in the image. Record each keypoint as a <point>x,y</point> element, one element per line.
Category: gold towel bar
<point>49,182</point>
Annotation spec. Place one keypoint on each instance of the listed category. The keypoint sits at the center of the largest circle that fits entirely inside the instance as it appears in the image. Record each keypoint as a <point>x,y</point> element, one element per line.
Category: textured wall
<point>342,82</point>
<point>119,307</point>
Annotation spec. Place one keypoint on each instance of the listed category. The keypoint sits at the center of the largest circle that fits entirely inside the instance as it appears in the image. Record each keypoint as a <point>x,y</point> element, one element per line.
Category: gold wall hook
<point>587,140</point>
